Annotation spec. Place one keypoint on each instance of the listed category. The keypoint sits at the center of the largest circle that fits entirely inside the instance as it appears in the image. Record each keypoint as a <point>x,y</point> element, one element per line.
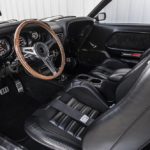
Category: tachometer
<point>35,35</point>
<point>4,47</point>
<point>23,41</point>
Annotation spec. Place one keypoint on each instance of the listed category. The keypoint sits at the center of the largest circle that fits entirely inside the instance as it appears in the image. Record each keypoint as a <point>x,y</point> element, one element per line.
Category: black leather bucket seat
<point>110,65</point>
<point>7,144</point>
<point>79,119</point>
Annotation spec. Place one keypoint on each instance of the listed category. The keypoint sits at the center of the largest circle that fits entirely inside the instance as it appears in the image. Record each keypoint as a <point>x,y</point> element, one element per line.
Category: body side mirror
<point>101,16</point>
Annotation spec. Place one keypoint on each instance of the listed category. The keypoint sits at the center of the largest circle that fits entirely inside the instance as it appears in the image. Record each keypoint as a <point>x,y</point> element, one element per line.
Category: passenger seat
<point>110,65</point>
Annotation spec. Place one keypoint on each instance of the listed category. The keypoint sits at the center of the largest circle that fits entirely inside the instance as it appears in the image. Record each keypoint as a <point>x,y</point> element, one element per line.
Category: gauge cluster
<point>23,41</point>
<point>35,35</point>
<point>29,38</point>
<point>26,39</point>
<point>5,47</point>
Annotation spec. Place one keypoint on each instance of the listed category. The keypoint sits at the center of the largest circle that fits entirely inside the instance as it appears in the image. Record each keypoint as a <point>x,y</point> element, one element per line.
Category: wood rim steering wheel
<point>41,50</point>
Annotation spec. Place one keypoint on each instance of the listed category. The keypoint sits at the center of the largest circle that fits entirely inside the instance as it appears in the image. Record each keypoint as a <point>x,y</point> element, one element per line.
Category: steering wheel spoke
<point>50,42</point>
<point>50,65</point>
<point>28,51</point>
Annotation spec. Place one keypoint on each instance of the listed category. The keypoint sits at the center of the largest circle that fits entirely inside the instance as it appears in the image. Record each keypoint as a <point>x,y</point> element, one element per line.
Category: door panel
<point>121,41</point>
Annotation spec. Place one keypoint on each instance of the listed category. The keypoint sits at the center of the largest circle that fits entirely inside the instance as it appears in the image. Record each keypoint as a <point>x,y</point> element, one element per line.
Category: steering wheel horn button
<point>41,49</point>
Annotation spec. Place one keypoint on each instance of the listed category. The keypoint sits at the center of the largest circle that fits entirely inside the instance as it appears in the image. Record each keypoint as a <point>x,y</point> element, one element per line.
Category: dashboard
<point>71,31</point>
<point>78,30</point>
<point>26,39</point>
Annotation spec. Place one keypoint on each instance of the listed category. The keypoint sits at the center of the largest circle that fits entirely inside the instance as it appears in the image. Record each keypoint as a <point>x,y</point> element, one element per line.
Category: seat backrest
<point>125,126</point>
<point>129,79</point>
<point>145,54</point>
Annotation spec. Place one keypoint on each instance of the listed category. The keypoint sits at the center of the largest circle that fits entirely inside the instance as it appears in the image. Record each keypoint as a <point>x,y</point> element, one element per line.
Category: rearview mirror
<point>101,16</point>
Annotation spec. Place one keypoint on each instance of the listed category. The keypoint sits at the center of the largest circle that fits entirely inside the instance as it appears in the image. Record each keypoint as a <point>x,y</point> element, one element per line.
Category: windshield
<point>28,9</point>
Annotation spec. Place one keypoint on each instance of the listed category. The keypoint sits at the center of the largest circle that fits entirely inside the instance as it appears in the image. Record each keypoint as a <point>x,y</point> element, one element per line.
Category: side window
<point>127,11</point>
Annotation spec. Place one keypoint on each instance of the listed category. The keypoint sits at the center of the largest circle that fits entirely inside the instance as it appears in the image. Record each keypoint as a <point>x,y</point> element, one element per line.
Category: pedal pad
<point>4,90</point>
<point>19,86</point>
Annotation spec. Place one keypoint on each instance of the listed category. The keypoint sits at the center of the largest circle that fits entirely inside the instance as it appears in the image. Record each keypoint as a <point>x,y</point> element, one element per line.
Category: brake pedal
<point>19,86</point>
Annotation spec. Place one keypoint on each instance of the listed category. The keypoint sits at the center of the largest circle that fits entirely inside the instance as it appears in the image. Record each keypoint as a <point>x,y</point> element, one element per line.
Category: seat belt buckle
<point>84,119</point>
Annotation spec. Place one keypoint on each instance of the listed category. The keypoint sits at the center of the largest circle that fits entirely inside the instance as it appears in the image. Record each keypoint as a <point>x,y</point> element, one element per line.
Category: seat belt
<point>73,113</point>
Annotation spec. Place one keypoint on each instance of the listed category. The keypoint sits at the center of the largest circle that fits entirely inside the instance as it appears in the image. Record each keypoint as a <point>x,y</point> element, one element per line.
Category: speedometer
<point>35,35</point>
<point>4,47</point>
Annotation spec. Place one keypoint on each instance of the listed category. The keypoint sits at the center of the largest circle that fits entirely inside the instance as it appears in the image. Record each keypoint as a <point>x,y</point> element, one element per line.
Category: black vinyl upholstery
<point>130,78</point>
<point>7,144</point>
<point>56,130</point>
<point>126,126</point>
<point>110,65</point>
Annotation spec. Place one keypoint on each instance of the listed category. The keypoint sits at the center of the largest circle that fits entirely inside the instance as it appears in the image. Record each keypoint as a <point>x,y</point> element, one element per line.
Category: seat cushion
<point>125,126</point>
<point>108,67</point>
<point>55,129</point>
<point>7,144</point>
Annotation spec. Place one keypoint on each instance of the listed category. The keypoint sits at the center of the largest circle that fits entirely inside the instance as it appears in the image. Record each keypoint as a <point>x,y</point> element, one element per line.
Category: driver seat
<point>58,129</point>
<point>77,118</point>
<point>7,144</point>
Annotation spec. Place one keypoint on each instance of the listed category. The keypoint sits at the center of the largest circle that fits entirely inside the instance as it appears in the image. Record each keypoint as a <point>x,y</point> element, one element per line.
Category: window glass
<point>27,9</point>
<point>128,11</point>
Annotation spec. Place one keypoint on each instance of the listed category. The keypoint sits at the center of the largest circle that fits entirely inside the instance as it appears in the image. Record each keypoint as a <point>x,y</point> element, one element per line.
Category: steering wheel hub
<point>41,49</point>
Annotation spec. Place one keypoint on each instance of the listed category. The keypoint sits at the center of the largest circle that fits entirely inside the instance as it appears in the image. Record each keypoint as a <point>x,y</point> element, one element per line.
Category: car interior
<point>74,83</point>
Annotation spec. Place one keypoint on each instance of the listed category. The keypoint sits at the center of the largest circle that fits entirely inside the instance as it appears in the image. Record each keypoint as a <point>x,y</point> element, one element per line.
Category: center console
<point>92,80</point>
<point>105,87</point>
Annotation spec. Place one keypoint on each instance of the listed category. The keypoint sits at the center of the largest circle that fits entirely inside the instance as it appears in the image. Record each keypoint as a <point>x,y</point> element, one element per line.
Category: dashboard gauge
<point>23,41</point>
<point>4,47</point>
<point>35,35</point>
